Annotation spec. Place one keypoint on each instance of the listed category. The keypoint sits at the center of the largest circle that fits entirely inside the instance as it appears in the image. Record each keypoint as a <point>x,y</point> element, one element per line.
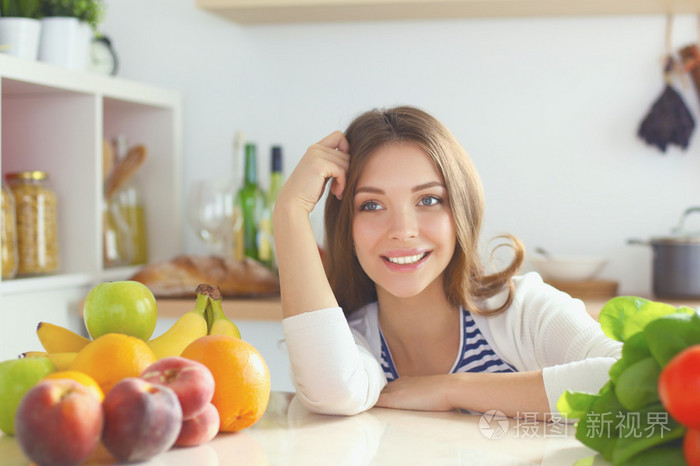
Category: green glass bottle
<point>276,176</point>
<point>266,251</point>
<point>250,201</point>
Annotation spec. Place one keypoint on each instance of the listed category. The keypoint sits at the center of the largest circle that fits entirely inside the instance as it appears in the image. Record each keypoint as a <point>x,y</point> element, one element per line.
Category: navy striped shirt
<point>475,353</point>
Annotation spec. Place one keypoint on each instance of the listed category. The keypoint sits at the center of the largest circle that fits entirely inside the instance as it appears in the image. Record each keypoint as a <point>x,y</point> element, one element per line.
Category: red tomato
<point>679,387</point>
<point>691,447</point>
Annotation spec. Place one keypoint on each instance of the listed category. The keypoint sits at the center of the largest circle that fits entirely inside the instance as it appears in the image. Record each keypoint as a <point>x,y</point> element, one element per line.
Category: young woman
<point>403,315</point>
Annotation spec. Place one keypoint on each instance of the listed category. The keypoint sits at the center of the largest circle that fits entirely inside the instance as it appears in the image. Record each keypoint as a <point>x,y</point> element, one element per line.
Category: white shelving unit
<point>55,119</point>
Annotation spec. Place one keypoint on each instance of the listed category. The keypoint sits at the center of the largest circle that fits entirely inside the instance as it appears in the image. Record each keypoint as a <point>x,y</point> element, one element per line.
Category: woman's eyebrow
<point>423,186</point>
<point>420,187</point>
<point>368,189</point>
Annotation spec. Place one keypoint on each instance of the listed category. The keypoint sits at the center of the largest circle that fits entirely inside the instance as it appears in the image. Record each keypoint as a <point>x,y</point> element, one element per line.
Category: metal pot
<point>676,261</point>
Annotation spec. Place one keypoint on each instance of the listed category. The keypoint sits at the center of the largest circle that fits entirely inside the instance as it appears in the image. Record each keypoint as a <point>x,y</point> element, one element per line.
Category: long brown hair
<point>466,282</point>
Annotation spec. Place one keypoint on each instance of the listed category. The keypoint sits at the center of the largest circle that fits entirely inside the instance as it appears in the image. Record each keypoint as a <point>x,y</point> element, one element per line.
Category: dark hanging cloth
<point>668,122</point>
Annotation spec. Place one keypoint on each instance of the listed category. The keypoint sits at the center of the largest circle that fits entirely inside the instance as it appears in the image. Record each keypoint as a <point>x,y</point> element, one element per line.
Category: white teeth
<point>406,259</point>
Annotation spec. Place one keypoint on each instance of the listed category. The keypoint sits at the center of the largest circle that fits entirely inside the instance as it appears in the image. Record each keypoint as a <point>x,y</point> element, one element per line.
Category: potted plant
<point>20,27</point>
<point>67,29</point>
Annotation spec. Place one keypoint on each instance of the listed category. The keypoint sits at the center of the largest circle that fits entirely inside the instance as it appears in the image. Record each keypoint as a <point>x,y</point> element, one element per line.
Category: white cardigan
<point>335,362</point>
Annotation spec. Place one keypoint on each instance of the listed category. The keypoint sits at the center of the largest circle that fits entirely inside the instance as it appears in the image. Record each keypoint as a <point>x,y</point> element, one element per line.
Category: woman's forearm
<point>303,283</point>
<point>514,394</point>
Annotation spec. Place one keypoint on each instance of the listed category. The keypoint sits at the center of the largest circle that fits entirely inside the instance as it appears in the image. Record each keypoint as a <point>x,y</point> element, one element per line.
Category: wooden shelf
<point>297,11</point>
<point>258,309</point>
<point>269,309</point>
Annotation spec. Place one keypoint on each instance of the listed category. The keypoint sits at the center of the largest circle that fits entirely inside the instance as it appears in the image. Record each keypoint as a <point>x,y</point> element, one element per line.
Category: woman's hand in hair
<point>323,161</point>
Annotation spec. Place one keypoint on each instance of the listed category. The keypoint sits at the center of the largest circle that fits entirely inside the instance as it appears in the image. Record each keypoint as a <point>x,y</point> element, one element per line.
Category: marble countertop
<point>288,434</point>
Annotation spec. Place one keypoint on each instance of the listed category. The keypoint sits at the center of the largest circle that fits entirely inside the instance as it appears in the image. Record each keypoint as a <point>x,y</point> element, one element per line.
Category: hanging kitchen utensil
<point>690,56</point>
<point>669,121</point>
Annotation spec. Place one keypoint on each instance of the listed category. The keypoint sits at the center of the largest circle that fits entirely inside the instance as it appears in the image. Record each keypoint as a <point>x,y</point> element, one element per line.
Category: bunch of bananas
<point>61,344</point>
<point>207,318</point>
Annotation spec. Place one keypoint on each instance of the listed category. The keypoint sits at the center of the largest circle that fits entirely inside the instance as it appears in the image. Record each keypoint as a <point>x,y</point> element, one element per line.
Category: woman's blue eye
<point>429,200</point>
<point>369,206</point>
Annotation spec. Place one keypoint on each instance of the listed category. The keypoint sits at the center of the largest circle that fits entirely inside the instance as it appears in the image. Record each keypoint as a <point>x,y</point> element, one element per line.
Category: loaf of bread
<point>179,277</point>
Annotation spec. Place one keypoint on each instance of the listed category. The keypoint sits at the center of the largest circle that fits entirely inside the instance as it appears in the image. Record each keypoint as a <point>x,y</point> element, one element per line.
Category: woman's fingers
<point>336,140</point>
<point>331,153</point>
<point>333,148</point>
<point>323,161</point>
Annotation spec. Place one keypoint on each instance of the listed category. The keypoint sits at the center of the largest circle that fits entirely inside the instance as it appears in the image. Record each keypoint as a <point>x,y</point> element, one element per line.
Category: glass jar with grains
<point>37,224</point>
<point>8,233</point>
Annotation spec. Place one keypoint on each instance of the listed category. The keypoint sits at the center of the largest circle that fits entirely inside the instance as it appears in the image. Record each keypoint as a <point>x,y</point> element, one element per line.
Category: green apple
<point>17,376</point>
<point>126,307</point>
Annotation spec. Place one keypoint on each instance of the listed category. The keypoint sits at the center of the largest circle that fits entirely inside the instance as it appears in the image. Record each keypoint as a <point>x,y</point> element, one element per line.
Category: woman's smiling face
<point>403,231</point>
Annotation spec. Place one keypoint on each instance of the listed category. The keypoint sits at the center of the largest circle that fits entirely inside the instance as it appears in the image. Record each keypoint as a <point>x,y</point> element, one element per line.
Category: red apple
<point>191,381</point>
<point>142,419</point>
<point>199,429</point>
<point>58,421</point>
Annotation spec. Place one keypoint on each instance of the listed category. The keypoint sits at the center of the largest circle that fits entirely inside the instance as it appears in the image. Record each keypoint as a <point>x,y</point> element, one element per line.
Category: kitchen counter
<point>593,306</point>
<point>270,309</point>
<point>289,434</point>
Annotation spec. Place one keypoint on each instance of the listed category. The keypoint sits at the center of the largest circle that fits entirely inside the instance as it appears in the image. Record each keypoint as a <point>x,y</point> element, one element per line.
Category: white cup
<point>65,41</point>
<point>20,36</point>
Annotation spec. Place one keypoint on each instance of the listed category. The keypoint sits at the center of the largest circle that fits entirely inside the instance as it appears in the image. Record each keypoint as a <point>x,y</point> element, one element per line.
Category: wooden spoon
<point>107,159</point>
<point>124,170</point>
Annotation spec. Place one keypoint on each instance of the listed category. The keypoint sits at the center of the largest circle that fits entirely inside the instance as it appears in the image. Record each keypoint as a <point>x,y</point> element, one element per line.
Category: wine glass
<point>210,212</point>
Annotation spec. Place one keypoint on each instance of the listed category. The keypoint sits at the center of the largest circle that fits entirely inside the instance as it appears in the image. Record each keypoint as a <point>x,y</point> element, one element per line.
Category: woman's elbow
<point>342,401</point>
<point>344,398</point>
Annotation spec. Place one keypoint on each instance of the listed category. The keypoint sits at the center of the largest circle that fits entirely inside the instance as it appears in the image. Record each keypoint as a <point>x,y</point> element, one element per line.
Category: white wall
<point>548,108</point>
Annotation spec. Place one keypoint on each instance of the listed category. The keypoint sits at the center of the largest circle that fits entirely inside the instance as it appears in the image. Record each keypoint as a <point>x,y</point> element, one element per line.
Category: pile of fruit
<point>649,410</point>
<point>137,396</point>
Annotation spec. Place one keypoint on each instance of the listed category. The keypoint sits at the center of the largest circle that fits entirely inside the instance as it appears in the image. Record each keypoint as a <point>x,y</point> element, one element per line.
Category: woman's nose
<point>404,225</point>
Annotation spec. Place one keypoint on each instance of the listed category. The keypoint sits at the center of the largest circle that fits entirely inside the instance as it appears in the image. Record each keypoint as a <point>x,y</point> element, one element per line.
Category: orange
<point>81,378</point>
<point>113,357</point>
<point>242,378</point>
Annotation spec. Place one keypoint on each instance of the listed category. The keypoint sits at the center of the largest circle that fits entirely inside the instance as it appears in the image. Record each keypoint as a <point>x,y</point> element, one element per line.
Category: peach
<point>191,381</point>
<point>58,422</point>
<point>142,419</point>
<point>199,429</point>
